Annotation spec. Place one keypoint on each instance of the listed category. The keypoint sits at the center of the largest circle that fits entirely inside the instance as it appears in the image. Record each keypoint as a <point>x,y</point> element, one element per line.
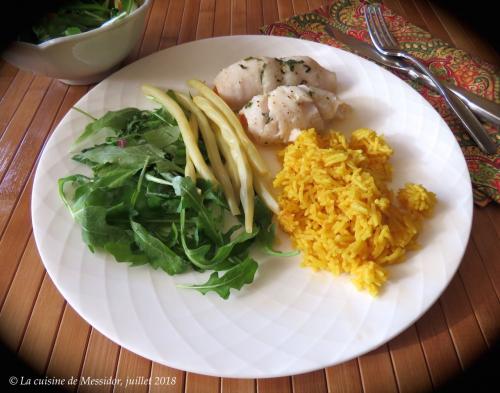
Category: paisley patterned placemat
<point>452,64</point>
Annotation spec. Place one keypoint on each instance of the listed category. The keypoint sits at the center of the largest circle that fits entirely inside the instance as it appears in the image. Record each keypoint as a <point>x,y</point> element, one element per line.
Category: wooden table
<point>46,333</point>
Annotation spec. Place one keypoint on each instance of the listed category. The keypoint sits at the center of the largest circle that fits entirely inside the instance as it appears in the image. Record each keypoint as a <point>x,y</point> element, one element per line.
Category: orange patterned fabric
<point>452,64</point>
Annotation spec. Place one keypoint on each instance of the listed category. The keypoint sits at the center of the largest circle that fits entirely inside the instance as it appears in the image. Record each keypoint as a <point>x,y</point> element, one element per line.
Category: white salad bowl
<point>82,58</point>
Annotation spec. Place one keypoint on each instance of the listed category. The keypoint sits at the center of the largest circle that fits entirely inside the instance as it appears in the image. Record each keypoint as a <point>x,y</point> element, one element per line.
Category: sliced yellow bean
<point>226,152</point>
<point>264,191</point>
<point>253,154</point>
<point>239,156</point>
<point>209,138</point>
<point>189,170</point>
<point>192,149</point>
<point>193,123</point>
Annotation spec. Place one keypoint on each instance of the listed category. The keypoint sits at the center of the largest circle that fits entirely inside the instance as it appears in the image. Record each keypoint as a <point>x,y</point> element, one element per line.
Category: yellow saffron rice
<point>336,205</point>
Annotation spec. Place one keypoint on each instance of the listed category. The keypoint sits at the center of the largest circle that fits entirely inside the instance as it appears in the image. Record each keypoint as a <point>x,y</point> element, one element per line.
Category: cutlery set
<point>386,51</point>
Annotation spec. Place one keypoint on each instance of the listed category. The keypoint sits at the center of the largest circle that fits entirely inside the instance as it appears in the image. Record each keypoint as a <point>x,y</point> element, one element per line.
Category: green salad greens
<point>77,16</point>
<point>138,206</point>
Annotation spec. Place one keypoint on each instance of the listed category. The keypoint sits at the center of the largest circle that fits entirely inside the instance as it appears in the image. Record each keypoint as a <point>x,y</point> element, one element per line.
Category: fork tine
<point>388,37</point>
<point>373,30</point>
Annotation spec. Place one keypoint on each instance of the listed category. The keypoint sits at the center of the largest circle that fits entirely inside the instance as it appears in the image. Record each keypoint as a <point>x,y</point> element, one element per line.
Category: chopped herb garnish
<point>291,63</point>
<point>267,118</point>
<point>252,58</point>
<point>248,104</point>
<point>261,76</point>
<point>243,66</point>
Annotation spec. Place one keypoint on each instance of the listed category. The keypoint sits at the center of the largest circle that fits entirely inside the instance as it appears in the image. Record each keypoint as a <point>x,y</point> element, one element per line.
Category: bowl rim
<point>104,27</point>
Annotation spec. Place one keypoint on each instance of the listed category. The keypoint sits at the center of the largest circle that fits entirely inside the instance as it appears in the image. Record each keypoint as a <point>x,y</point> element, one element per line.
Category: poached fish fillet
<point>279,116</point>
<point>241,81</point>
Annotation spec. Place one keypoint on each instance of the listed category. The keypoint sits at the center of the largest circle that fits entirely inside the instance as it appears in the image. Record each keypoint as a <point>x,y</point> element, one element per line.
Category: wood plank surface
<point>166,379</point>
<point>133,372</point>
<point>14,93</point>
<point>100,362</point>
<point>313,382</point>
<point>7,73</point>
<point>234,385</point>
<point>481,294</point>
<point>14,240</point>
<point>19,162</point>
<point>464,38</point>
<point>73,333</point>
<point>375,367</point>
<point>255,16</point>
<point>197,383</point>
<point>285,9</point>
<point>344,377</point>
<point>154,28</point>
<point>22,119</point>
<point>409,363</point>
<point>238,17</point>
<point>272,385</point>
<point>46,333</point>
<point>488,246</point>
<point>21,295</point>
<point>189,21</point>
<point>300,7</point>
<point>206,18</point>
<point>270,11</point>
<point>171,25</point>
<point>38,340</point>
<point>437,344</point>
<point>462,323</point>
<point>314,4</point>
<point>222,18</point>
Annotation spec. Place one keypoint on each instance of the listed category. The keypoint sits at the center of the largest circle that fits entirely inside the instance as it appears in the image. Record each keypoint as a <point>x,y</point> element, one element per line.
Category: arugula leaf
<point>263,218</point>
<point>128,5</point>
<point>166,167</point>
<point>116,120</point>
<point>96,232</point>
<point>131,156</point>
<point>213,194</point>
<point>160,255</point>
<point>163,137</point>
<point>226,251</point>
<point>123,253</point>
<point>186,189</point>
<point>171,236</point>
<point>239,275</point>
<point>72,30</point>
<point>137,190</point>
<point>114,175</point>
<point>163,115</point>
<point>197,256</point>
<point>81,181</point>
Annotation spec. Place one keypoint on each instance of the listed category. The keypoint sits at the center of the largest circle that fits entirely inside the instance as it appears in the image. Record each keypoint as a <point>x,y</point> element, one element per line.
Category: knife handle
<point>486,109</point>
<point>471,124</point>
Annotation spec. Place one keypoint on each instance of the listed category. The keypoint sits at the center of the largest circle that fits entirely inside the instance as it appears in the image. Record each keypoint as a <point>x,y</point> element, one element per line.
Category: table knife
<point>482,107</point>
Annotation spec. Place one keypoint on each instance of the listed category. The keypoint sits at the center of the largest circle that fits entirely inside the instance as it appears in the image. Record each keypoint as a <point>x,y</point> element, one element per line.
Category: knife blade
<point>482,107</point>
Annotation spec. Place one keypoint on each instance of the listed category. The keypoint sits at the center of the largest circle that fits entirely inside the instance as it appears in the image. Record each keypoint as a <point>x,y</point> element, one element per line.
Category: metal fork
<point>386,44</point>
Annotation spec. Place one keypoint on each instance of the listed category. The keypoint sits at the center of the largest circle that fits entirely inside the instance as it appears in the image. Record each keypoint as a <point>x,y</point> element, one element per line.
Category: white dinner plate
<point>291,319</point>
